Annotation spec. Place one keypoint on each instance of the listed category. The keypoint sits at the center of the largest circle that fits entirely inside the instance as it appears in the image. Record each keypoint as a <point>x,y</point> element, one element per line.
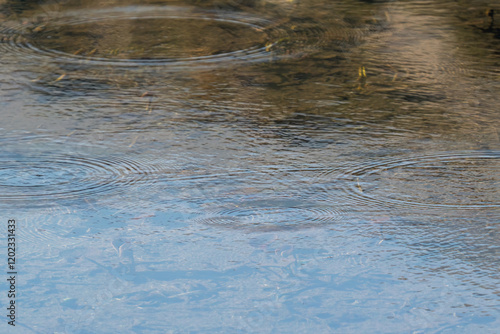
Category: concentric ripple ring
<point>48,177</point>
<point>270,215</point>
<point>144,36</point>
<point>457,181</point>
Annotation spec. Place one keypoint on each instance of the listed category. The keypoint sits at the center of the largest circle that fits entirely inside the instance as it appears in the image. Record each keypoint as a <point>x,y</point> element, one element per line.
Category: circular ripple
<point>48,177</point>
<point>49,226</point>
<point>458,181</point>
<point>145,35</point>
<point>270,215</point>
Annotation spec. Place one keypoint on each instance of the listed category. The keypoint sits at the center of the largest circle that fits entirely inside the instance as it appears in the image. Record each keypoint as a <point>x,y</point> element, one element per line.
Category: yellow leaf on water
<point>60,77</point>
<point>268,46</point>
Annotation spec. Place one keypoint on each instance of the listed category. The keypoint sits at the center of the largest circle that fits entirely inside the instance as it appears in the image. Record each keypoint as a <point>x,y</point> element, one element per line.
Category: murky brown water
<point>252,166</point>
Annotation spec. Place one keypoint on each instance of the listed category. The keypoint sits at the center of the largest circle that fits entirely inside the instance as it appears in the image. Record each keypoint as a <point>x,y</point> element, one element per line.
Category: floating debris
<point>62,76</point>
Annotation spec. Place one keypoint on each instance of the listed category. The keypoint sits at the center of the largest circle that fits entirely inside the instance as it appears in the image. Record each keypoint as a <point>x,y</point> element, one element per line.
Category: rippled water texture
<point>252,166</point>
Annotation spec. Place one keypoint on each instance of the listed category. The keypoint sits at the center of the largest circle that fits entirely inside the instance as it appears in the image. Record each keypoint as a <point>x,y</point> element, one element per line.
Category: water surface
<point>254,167</point>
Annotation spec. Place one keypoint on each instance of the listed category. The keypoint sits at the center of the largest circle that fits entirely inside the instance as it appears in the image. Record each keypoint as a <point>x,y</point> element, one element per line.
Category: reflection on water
<point>460,181</point>
<point>140,36</point>
<point>252,166</point>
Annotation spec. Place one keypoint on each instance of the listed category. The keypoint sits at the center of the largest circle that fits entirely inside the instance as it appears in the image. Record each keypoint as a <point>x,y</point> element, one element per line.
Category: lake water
<point>243,166</point>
